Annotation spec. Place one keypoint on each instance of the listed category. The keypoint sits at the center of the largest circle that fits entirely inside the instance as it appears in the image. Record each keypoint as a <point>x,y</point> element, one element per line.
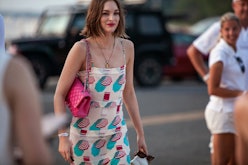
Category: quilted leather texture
<point>78,99</point>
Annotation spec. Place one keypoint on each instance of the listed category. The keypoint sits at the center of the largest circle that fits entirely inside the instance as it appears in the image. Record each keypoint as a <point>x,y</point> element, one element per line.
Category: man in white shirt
<point>204,43</point>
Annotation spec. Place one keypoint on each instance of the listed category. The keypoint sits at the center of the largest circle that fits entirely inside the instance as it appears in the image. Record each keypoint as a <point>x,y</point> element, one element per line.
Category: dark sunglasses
<point>241,64</point>
<point>143,155</point>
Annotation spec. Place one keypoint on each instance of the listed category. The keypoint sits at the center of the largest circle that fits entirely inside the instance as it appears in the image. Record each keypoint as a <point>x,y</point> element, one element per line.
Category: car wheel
<point>148,72</point>
<point>40,68</point>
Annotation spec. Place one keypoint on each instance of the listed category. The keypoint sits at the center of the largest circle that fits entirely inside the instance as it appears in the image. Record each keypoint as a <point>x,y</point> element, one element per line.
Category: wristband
<point>205,77</point>
<point>63,134</point>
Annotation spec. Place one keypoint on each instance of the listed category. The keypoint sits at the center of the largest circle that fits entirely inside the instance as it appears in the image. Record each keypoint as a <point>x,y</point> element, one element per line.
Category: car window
<point>180,38</point>
<point>54,25</point>
<point>78,22</point>
<point>202,25</point>
<point>129,22</point>
<point>149,25</point>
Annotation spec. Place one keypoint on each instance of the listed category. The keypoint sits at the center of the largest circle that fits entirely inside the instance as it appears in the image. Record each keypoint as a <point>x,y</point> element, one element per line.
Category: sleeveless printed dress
<point>101,137</point>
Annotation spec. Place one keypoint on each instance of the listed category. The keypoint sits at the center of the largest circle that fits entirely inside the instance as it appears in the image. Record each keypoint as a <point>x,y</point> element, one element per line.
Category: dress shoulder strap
<point>88,63</point>
<point>88,55</point>
<point>123,50</point>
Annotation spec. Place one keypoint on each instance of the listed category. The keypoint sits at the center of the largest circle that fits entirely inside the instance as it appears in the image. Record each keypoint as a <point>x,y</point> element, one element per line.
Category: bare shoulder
<point>81,45</point>
<point>128,43</point>
<point>128,47</point>
<point>78,51</point>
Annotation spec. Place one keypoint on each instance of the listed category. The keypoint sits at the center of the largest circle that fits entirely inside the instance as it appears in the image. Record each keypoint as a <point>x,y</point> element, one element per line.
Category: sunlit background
<point>24,13</point>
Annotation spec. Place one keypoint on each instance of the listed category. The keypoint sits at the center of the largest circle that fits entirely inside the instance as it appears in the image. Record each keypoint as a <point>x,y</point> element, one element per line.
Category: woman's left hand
<point>142,144</point>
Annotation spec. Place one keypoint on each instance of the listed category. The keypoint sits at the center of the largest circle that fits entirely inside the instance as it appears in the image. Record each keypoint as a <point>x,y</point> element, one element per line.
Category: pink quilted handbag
<point>78,97</point>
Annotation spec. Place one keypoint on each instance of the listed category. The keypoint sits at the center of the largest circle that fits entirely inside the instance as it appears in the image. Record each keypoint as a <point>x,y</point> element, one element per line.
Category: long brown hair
<point>93,26</point>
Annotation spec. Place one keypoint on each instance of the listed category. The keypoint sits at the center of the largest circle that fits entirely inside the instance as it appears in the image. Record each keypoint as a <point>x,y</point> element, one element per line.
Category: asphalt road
<point>173,118</point>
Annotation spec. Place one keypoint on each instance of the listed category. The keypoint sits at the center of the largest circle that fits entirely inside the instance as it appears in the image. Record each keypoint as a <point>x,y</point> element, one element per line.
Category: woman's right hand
<point>65,148</point>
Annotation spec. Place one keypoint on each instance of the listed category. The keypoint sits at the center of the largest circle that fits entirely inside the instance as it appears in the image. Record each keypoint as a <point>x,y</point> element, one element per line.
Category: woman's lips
<point>111,24</point>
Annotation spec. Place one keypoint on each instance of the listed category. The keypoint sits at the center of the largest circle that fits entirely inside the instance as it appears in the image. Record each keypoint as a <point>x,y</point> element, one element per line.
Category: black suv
<point>59,28</point>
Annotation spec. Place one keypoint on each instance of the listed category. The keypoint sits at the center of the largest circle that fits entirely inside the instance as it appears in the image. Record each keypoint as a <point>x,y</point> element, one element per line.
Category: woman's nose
<point>111,16</point>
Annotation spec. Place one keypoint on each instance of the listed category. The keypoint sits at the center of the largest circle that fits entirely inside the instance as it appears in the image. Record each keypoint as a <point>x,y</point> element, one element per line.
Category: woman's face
<point>110,17</point>
<point>230,32</point>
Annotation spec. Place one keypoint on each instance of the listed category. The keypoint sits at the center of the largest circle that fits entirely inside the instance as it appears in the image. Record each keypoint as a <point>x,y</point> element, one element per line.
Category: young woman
<point>101,137</point>
<point>226,82</point>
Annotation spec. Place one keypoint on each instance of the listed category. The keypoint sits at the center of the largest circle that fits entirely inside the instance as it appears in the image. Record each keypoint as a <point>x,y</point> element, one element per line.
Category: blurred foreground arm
<point>241,122</point>
<point>23,99</point>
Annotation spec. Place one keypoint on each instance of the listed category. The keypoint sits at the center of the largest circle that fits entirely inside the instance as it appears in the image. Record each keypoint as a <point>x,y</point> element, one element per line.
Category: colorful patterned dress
<point>101,137</point>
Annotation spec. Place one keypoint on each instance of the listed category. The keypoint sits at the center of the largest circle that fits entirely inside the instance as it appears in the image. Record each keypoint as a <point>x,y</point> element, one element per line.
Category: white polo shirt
<point>231,78</point>
<point>209,38</point>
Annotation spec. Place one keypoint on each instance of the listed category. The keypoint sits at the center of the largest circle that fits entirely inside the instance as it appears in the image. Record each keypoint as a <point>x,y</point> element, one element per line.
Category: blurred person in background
<point>20,111</point>
<point>204,43</point>
<point>226,83</point>
<point>241,124</point>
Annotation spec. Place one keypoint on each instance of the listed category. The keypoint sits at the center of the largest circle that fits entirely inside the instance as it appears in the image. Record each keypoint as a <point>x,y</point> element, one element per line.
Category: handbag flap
<point>76,93</point>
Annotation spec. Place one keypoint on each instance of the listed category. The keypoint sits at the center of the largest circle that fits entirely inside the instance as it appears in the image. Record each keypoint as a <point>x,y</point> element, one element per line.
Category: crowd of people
<point>101,137</point>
